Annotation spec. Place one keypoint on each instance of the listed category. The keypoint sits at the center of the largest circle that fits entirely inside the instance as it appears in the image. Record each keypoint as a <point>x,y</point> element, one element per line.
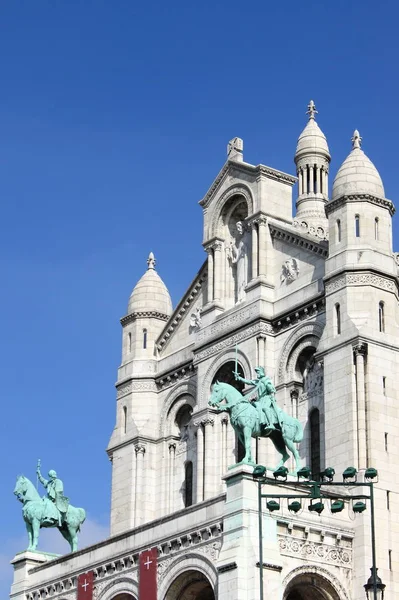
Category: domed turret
<point>312,159</point>
<point>357,174</point>
<point>150,293</point>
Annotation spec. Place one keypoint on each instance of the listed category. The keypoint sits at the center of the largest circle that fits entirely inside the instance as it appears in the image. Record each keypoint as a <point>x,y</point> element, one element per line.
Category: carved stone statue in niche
<point>237,254</point>
<point>312,378</point>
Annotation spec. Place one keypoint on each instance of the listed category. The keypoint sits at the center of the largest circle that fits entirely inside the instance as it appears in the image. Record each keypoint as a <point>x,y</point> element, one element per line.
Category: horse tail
<point>298,435</point>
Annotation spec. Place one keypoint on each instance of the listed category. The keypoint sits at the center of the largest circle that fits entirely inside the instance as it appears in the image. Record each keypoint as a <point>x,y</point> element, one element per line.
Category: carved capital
<point>208,421</point>
<point>294,394</point>
<point>139,449</point>
<point>172,446</point>
<point>360,349</point>
<point>224,420</point>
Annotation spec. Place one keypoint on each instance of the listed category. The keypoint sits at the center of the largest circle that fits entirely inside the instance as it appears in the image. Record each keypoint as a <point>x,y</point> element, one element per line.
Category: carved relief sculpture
<point>237,254</point>
<point>289,271</point>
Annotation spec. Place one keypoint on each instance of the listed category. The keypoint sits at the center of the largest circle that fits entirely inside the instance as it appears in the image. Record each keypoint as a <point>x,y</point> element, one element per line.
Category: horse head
<point>25,490</point>
<point>217,395</point>
<point>20,487</point>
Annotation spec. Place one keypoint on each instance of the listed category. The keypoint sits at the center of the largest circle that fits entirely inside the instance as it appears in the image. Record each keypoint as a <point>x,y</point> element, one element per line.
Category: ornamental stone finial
<point>151,261</point>
<point>311,110</point>
<point>356,140</point>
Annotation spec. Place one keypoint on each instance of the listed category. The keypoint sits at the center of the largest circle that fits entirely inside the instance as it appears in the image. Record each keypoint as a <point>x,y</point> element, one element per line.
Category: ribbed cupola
<point>312,159</point>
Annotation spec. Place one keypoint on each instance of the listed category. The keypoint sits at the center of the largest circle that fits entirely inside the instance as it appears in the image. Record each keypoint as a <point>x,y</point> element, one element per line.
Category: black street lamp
<point>374,586</point>
<point>315,492</point>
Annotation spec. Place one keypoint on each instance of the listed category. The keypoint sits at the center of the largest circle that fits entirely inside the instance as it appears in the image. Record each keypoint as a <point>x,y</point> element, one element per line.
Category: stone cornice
<point>144,314</point>
<point>182,307</point>
<point>317,246</point>
<point>172,376</point>
<point>246,168</point>
<point>353,278</point>
<point>381,202</point>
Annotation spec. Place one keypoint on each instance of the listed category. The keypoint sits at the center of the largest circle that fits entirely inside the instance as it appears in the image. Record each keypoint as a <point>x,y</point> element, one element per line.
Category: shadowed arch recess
<point>190,585</point>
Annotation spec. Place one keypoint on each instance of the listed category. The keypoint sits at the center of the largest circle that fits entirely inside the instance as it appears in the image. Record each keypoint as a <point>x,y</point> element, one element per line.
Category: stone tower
<point>149,307</point>
<point>312,160</point>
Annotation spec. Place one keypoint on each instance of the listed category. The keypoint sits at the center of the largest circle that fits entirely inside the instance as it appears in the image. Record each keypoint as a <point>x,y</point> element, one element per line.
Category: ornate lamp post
<point>316,493</point>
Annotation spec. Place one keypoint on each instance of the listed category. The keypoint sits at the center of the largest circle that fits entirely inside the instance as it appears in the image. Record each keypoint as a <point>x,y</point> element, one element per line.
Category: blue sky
<point>114,120</point>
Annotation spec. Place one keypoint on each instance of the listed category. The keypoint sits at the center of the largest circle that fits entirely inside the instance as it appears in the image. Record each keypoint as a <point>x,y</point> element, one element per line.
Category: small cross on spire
<point>151,261</point>
<point>356,140</point>
<point>311,110</point>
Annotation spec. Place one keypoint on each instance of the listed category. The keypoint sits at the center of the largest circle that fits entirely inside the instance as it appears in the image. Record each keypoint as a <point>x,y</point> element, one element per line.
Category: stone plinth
<point>238,563</point>
<point>23,562</point>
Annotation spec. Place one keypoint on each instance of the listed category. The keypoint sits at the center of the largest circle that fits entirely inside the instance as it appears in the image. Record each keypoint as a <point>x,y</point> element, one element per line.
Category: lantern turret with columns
<point>312,159</point>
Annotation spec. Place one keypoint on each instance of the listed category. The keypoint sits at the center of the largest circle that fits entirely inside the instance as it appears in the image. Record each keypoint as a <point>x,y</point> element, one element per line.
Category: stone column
<point>171,477</point>
<point>209,466</point>
<point>200,462</point>
<point>311,180</point>
<point>139,491</point>
<point>300,179</point>
<point>325,187</point>
<point>254,250</point>
<point>261,350</point>
<point>262,245</point>
<point>218,271</point>
<point>360,352</point>
<point>210,274</point>
<point>224,425</point>
<point>294,403</point>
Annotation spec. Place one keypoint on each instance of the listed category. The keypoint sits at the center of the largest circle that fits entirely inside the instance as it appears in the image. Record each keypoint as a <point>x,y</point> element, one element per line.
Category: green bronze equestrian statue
<point>53,510</point>
<point>258,415</point>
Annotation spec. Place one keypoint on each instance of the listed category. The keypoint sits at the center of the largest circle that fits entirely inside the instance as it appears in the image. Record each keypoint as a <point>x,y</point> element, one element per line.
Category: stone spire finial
<point>311,110</point>
<point>356,140</point>
<point>151,261</point>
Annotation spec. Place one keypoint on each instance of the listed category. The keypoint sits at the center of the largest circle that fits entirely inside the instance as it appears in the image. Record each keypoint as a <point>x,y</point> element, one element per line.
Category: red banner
<point>85,586</point>
<point>148,575</point>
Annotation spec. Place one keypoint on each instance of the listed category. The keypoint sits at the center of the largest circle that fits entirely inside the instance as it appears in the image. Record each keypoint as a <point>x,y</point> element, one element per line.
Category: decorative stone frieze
<point>363,278</point>
<point>316,552</point>
<point>136,386</point>
<point>169,379</point>
<point>233,340</point>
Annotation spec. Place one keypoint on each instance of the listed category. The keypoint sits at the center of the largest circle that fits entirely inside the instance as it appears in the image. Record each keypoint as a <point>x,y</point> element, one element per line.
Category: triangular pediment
<point>184,321</point>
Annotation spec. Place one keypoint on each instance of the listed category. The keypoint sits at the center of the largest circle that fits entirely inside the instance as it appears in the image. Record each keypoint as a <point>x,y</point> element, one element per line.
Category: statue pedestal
<point>238,562</point>
<point>23,562</point>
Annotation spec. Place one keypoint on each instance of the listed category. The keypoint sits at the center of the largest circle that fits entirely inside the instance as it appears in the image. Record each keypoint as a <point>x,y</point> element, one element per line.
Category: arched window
<point>225,374</point>
<point>314,423</point>
<point>357,226</point>
<point>188,483</point>
<point>129,337</point>
<point>144,339</point>
<point>124,419</point>
<point>376,223</point>
<point>381,317</point>
<point>337,319</point>
<point>338,230</point>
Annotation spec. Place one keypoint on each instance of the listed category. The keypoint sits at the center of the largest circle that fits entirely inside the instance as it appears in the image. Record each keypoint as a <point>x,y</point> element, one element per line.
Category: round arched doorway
<point>310,586</point>
<point>190,585</point>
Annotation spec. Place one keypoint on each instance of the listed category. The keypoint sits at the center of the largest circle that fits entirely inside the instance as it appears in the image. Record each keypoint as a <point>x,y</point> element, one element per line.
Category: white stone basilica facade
<point>313,298</point>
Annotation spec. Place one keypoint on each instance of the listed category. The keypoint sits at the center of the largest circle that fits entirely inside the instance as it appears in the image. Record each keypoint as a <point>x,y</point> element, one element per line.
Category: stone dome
<point>357,174</point>
<point>312,140</point>
<point>150,293</point>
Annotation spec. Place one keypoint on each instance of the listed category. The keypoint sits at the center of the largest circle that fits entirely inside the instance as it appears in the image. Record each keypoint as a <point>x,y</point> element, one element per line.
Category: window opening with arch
<point>225,374</point>
<point>381,317</point>
<point>376,224</point>
<point>144,339</point>
<point>357,226</point>
<point>337,319</point>
<point>338,230</point>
